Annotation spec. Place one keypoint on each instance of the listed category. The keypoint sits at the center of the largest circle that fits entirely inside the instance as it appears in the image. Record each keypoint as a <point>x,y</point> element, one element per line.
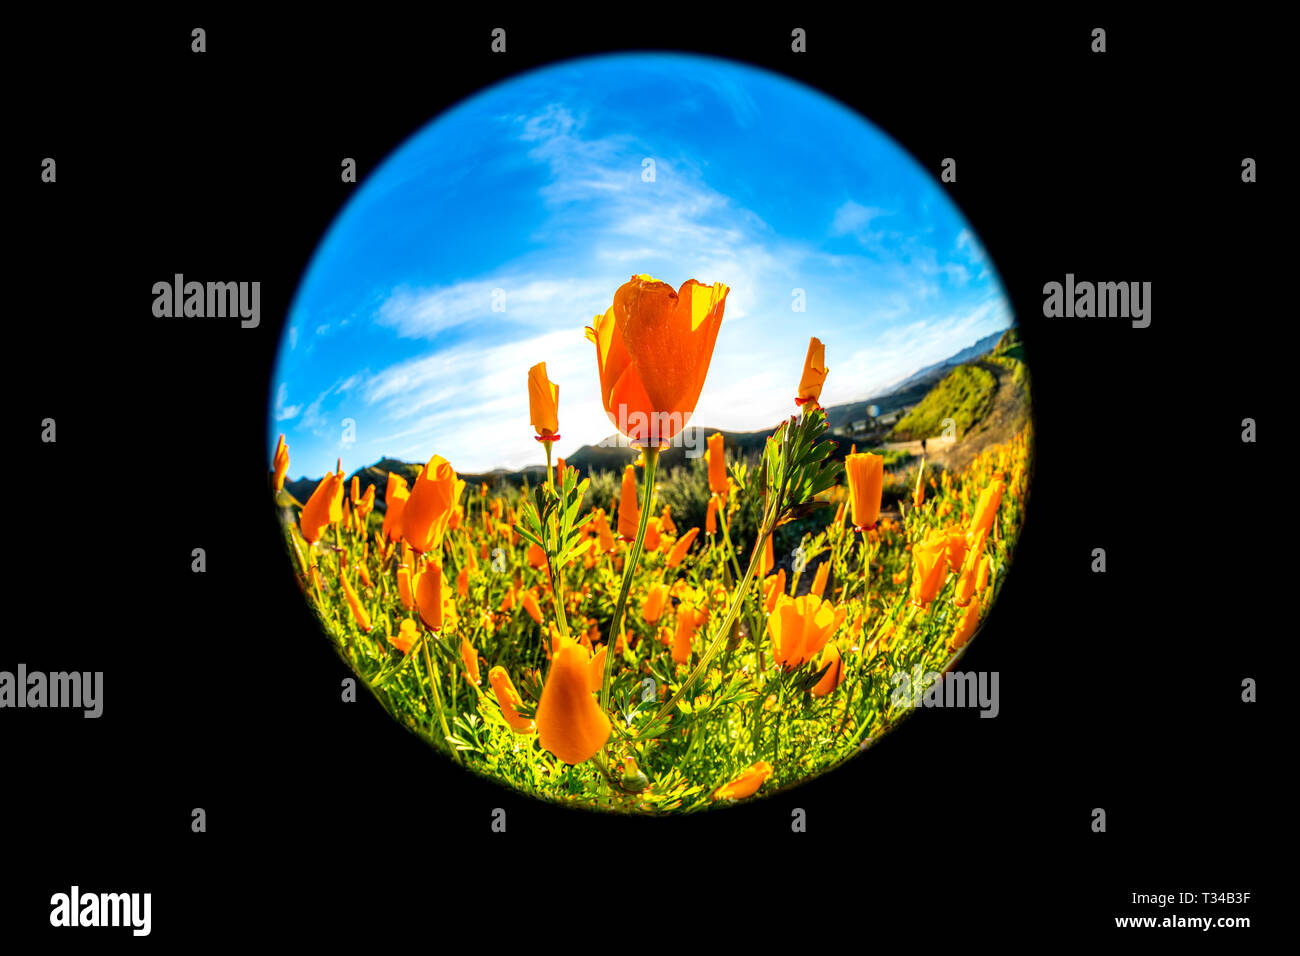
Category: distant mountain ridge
<point>613,454</point>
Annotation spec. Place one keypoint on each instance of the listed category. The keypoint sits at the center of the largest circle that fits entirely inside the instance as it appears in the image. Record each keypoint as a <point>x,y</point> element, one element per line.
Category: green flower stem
<point>725,628</point>
<point>651,454</point>
<point>437,700</point>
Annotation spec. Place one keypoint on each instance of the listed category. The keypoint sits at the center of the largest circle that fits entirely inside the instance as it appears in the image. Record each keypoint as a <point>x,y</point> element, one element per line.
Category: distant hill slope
<point>964,395</point>
<point>613,454</point>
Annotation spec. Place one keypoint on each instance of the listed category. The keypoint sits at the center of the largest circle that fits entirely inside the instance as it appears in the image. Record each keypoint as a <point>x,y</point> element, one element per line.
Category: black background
<point>325,820</point>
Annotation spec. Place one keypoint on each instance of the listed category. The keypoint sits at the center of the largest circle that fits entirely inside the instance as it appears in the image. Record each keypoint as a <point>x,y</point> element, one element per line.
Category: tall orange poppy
<point>653,349</point>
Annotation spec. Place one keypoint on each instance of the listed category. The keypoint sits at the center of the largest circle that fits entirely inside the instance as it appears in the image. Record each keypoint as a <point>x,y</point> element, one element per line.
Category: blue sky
<point>535,187</point>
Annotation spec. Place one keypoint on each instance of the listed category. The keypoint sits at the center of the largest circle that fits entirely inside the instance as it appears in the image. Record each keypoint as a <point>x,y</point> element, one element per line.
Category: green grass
<point>965,396</point>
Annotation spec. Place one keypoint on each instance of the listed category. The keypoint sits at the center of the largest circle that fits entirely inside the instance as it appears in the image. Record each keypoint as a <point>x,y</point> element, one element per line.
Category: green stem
<point>634,556</point>
<point>725,628</point>
<point>437,700</point>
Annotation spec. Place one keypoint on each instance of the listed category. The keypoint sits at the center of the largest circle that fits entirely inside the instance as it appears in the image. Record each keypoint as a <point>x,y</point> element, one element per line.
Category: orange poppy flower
<point>745,784</point>
<point>834,676</point>
<point>799,628</point>
<point>596,671</point>
<point>653,537</point>
<point>405,637</point>
<point>629,513</point>
<point>717,458</point>
<point>711,517</point>
<point>814,373</point>
<point>280,462</point>
<point>683,545</point>
<point>653,349</point>
<point>509,698</point>
<point>966,625</point>
<point>430,506</point>
<point>323,508</point>
<point>929,568</point>
<point>530,604</point>
<point>685,633</point>
<point>986,510</point>
<point>543,403</point>
<point>358,611</point>
<point>773,588</point>
<point>653,606</point>
<point>470,657</point>
<point>866,476</point>
<point>819,581</point>
<point>570,724</point>
<point>429,597</point>
<point>404,587</point>
<point>395,496</point>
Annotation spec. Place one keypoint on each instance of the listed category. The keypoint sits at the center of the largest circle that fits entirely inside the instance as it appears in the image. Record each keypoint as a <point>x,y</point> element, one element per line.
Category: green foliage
<point>965,395</point>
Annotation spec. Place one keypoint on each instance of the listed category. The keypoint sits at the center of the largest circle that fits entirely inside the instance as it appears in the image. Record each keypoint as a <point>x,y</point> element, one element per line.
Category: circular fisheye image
<point>661,434</point>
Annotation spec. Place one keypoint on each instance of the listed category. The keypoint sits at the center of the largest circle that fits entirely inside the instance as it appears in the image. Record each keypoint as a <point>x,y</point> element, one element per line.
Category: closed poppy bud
<point>367,502</point>
<point>634,779</point>
<point>536,556</point>
<point>717,464</point>
<point>404,587</point>
<point>358,612</point>
<point>919,495</point>
<point>405,637</point>
<point>986,510</point>
<point>653,349</point>
<point>280,462</point>
<point>866,476</point>
<point>395,500</point>
<point>530,605</point>
<point>966,625</point>
<point>799,628</point>
<point>323,508</point>
<point>597,669</point>
<point>509,698</point>
<point>683,545</point>
<point>666,523</point>
<point>570,724</point>
<point>543,402</point>
<point>629,514</point>
<point>652,536</point>
<point>364,574</point>
<point>685,633</point>
<point>834,676</point>
<point>355,491</point>
<point>819,581</point>
<point>428,596</point>
<point>653,606</point>
<point>470,657</point>
<point>430,506</point>
<point>929,568</point>
<point>462,582</point>
<point>955,549</point>
<point>508,602</point>
<point>982,575</point>
<point>773,588</point>
<point>711,517</point>
<point>814,373</point>
<point>745,784</point>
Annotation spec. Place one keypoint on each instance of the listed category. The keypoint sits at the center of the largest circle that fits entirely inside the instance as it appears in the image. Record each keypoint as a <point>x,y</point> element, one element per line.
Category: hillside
<point>964,396</point>
<point>909,410</point>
